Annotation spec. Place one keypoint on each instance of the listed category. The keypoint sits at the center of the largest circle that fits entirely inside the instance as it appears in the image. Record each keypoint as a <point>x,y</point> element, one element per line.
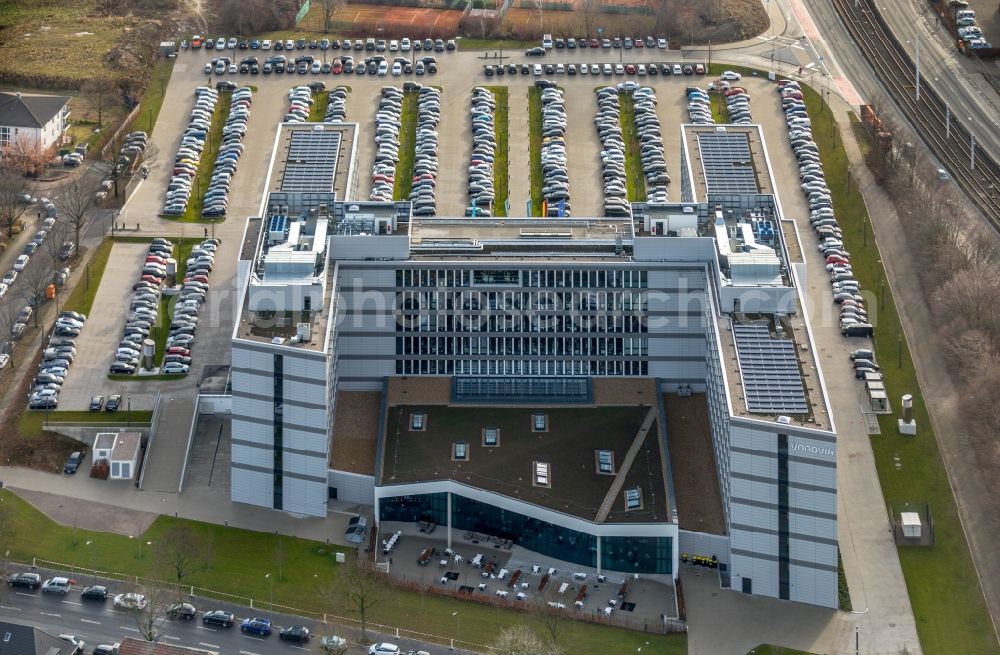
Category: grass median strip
<point>206,165</point>
<point>635,181</point>
<point>32,423</point>
<point>501,165</point>
<point>720,111</point>
<point>237,561</point>
<point>947,600</point>
<point>164,316</point>
<point>535,148</point>
<point>81,299</point>
<point>317,112</point>
<point>407,143</point>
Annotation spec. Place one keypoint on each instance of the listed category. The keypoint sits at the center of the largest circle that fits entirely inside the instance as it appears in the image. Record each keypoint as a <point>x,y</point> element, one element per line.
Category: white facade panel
<point>255,432</point>
<point>306,416</point>
<point>304,497</point>
<point>250,456</point>
<point>251,487</point>
<point>353,488</point>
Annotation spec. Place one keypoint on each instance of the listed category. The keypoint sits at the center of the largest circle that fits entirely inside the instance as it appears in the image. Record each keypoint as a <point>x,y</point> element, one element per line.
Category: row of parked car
<point>371,45</point>
<point>738,105</point>
<point>846,288</point>
<point>642,70</point>
<point>699,106</point>
<point>307,64</point>
<point>336,105</point>
<point>56,359</point>
<point>609,131</point>
<point>300,99</point>
<point>425,158</point>
<point>390,108</point>
<point>627,43</point>
<point>189,152</point>
<point>184,320</point>
<point>650,135</point>
<point>555,176</point>
<point>216,198</point>
<point>133,145</point>
<point>969,31</point>
<point>482,192</point>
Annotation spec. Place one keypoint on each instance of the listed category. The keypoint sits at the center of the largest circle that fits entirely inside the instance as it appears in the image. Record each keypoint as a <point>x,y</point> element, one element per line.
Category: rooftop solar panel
<point>311,161</point>
<point>727,162</point>
<point>772,380</point>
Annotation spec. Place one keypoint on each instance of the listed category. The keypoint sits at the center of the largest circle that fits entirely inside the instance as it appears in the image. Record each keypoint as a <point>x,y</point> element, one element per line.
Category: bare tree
<point>551,617</point>
<point>328,7</point>
<point>101,94</point>
<point>280,557</point>
<point>364,591</point>
<point>35,281</point>
<point>520,640</point>
<point>74,200</point>
<point>9,309</point>
<point>13,187</point>
<point>589,9</point>
<point>151,617</point>
<point>179,554</point>
<point>26,156</point>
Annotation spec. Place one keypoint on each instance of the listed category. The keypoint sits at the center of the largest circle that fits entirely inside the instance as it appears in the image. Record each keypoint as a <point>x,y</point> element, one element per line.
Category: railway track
<point>896,72</point>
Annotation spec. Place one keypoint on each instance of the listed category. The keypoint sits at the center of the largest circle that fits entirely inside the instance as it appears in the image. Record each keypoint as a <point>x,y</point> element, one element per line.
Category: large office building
<point>554,382</point>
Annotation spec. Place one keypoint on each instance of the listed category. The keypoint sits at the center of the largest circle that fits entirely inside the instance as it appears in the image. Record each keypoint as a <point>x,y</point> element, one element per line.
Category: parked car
<point>75,460</point>
<point>383,648</point>
<point>295,633</point>
<point>25,580</point>
<point>95,592</point>
<point>74,641</point>
<point>257,626</point>
<point>185,611</point>
<point>114,403</point>
<point>218,617</point>
<point>130,602</point>
<point>57,585</point>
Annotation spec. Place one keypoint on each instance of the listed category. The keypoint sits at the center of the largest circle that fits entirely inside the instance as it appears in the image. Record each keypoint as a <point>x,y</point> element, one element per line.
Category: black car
<point>294,633</point>
<point>66,250</point>
<point>218,617</point>
<point>26,580</point>
<point>114,403</point>
<point>73,463</point>
<point>535,52</point>
<point>97,403</point>
<point>96,592</point>
<point>184,611</point>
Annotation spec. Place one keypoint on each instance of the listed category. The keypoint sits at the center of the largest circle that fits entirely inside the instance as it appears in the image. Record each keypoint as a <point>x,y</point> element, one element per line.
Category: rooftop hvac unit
<point>303,332</point>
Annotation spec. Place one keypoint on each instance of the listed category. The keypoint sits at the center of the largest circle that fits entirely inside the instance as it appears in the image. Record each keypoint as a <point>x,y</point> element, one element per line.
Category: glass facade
<point>637,554</point>
<point>628,554</point>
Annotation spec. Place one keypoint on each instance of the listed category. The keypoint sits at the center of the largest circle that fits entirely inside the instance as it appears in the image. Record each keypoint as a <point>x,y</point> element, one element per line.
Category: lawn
<point>767,649</point>
<point>407,143</point>
<point>152,97</point>
<point>206,165</point>
<point>81,299</point>
<point>501,166</point>
<point>240,560</point>
<point>317,112</point>
<point>720,112</point>
<point>535,148</point>
<point>635,181</point>
<point>947,600</point>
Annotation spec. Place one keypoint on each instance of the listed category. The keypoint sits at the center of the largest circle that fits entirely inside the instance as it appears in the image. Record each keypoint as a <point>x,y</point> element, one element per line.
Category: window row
<point>627,279</point>
<point>599,346</point>
<point>507,323</point>
<point>613,367</point>
<point>523,300</point>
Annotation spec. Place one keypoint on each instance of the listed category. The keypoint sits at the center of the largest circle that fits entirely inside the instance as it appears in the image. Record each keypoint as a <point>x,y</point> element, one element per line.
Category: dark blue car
<point>256,626</point>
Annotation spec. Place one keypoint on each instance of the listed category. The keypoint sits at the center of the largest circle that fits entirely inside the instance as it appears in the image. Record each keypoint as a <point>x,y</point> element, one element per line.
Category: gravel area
<point>692,462</point>
<point>355,429</point>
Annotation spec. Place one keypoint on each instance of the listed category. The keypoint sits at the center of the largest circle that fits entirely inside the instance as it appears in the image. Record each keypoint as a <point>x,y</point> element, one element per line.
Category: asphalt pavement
<point>99,622</point>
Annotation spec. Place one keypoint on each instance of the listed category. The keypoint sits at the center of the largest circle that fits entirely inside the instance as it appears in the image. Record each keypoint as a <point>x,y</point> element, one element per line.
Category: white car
<point>383,648</point>
<point>265,44</point>
<point>56,586</point>
<point>334,642</point>
<point>20,263</point>
<point>730,76</point>
<point>76,642</point>
<point>130,602</point>
<point>175,368</point>
<point>661,43</point>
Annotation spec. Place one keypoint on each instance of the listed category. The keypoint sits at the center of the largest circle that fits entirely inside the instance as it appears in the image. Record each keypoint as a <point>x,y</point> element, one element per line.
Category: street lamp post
<point>271,580</point>
<point>458,629</point>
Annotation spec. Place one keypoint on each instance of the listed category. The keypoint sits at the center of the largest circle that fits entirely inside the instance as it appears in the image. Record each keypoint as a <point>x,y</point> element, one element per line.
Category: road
<point>99,623</point>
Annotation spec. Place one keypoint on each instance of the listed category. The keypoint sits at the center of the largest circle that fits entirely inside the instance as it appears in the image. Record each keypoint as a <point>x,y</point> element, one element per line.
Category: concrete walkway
<point>197,503</point>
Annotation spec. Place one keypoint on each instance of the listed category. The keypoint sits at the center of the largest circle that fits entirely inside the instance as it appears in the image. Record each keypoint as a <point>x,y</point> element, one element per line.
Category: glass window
<point>637,554</point>
<point>539,423</point>
<point>491,436</point>
<point>541,474</point>
<point>418,421</point>
<point>411,509</point>
<point>633,498</point>
<point>460,451</point>
<point>605,462</point>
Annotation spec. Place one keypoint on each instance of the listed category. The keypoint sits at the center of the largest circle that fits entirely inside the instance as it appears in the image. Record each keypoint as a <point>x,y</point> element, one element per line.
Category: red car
<point>637,42</point>
<point>594,43</point>
<point>155,259</point>
<point>177,350</point>
<point>735,91</point>
<point>630,69</point>
<point>150,278</point>
<point>197,278</point>
<point>337,68</point>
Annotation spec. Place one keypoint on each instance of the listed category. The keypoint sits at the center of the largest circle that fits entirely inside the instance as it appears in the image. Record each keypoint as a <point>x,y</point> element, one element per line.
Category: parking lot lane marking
<point>202,643</point>
<point>171,637</point>
<point>299,647</point>
<point>24,593</point>
<point>91,622</point>
<point>125,627</point>
<point>58,616</point>
<point>246,652</point>
<point>72,602</point>
<point>4,607</point>
<point>201,627</point>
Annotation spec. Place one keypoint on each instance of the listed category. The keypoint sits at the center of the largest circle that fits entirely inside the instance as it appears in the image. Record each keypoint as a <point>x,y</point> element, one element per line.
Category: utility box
<point>911,524</point>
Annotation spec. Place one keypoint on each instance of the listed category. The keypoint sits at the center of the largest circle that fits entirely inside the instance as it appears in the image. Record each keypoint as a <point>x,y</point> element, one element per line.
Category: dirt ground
<point>88,515</point>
